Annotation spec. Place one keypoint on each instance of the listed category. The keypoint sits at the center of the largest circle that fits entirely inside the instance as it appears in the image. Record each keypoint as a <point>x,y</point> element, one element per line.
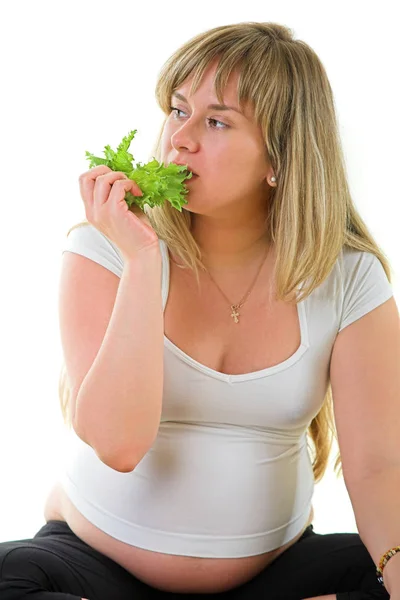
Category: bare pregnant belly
<point>166,572</point>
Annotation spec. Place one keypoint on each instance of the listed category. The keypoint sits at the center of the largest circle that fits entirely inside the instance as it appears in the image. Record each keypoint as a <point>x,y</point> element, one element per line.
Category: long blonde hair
<point>311,212</point>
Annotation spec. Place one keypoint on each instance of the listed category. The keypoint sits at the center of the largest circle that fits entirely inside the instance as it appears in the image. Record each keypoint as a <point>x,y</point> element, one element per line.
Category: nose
<point>185,137</point>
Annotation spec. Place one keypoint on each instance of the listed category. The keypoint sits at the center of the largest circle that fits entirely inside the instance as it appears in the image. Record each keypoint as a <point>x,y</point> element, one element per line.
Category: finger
<point>119,189</point>
<point>114,199</point>
<point>105,183</point>
<point>87,182</point>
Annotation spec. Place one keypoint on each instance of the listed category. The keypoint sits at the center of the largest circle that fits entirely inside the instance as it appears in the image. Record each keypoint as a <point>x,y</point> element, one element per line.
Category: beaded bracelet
<point>383,561</point>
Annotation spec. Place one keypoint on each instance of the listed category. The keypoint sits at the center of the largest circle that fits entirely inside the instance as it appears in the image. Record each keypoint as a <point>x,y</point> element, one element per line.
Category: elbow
<point>121,460</point>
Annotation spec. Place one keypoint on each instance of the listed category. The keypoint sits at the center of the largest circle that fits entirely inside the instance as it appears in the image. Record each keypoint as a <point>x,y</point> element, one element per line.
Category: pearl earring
<point>273,179</point>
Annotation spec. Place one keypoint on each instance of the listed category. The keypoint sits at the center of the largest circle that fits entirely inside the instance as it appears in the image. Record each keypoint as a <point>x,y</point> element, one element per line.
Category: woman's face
<point>224,147</point>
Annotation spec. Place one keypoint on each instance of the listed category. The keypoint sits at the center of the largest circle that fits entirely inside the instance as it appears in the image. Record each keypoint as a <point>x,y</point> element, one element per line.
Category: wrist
<point>391,575</point>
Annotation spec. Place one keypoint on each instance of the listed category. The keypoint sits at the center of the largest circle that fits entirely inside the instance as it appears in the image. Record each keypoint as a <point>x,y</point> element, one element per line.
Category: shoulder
<point>353,266</point>
<point>364,284</point>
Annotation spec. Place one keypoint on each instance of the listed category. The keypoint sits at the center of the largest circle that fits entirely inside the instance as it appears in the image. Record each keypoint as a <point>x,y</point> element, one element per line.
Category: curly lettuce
<point>157,182</point>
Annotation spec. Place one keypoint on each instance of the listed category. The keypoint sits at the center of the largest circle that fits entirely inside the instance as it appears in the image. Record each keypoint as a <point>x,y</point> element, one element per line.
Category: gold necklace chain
<point>235,307</point>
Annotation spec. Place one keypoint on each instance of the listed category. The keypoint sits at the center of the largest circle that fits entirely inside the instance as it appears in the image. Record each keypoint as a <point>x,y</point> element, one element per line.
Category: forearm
<point>375,501</point>
<point>118,406</point>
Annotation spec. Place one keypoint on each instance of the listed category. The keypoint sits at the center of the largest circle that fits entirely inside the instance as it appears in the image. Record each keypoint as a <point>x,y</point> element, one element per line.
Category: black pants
<point>57,565</point>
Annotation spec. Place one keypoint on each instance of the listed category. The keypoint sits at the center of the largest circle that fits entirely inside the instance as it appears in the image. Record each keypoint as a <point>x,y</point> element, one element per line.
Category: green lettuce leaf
<point>157,182</point>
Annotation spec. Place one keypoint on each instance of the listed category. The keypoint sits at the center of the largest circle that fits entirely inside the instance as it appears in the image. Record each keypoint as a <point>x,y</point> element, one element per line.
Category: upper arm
<point>365,380</point>
<point>87,293</point>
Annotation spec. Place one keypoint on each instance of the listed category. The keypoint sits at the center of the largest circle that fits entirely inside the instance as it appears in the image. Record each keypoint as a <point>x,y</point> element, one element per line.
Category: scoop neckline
<point>288,362</point>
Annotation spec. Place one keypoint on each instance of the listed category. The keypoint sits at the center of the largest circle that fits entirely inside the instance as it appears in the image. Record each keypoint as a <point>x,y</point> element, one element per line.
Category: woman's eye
<point>175,110</point>
<point>224,125</point>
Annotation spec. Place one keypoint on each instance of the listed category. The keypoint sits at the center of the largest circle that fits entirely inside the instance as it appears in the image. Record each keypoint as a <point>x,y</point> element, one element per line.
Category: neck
<point>227,246</point>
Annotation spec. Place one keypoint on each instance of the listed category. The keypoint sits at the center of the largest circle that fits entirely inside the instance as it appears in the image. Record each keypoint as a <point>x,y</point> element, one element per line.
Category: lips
<point>189,168</point>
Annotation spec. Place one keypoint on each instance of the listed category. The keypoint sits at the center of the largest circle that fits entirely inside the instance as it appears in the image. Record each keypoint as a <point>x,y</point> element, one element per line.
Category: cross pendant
<point>235,314</point>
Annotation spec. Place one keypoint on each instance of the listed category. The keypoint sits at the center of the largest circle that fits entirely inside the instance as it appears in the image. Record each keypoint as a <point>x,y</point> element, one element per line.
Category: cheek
<point>166,136</point>
<point>224,183</point>
<point>234,176</point>
<point>247,167</point>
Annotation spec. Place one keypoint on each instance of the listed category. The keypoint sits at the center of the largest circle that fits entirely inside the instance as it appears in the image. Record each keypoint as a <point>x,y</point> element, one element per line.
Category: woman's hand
<point>103,194</point>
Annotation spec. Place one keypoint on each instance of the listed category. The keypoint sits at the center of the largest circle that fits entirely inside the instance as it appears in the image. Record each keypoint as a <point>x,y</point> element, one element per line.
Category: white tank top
<point>229,474</point>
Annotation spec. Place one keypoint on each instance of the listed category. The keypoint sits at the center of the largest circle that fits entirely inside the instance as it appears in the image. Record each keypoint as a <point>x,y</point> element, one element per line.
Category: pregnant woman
<point>205,349</point>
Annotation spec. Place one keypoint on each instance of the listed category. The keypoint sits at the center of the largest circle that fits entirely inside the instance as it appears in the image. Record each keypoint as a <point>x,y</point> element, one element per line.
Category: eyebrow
<point>213,106</point>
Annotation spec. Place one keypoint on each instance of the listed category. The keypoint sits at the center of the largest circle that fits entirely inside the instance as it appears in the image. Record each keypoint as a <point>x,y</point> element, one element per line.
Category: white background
<point>76,78</point>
